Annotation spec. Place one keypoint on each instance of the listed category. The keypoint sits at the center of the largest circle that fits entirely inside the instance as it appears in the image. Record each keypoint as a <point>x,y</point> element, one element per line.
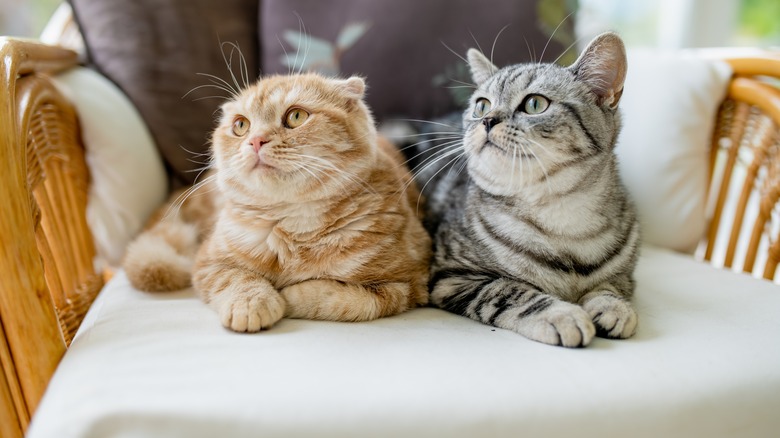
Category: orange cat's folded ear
<point>354,87</point>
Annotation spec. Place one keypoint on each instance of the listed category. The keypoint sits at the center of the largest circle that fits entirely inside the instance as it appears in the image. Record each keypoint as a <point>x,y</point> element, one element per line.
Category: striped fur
<point>315,222</point>
<point>538,234</point>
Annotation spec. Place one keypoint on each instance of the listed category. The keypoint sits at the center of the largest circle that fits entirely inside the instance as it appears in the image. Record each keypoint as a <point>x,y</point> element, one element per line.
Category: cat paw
<point>250,310</point>
<point>563,324</point>
<point>613,316</point>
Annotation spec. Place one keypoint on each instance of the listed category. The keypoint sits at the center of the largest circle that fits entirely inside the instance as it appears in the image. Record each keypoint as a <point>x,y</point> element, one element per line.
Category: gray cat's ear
<point>353,88</point>
<point>602,66</point>
<point>481,67</point>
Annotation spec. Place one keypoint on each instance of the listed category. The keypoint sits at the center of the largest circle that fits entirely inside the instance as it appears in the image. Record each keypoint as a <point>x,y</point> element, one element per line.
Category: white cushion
<point>669,106</point>
<point>128,177</point>
<point>704,362</point>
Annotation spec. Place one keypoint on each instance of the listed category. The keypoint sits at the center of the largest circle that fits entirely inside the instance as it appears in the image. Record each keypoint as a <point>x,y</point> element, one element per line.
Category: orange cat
<point>309,218</point>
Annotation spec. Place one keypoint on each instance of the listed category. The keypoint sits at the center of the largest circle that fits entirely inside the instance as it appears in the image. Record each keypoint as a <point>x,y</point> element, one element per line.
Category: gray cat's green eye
<point>481,108</point>
<point>535,104</point>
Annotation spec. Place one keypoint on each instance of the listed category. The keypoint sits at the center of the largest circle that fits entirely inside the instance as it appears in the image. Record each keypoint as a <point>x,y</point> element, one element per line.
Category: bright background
<point>650,23</point>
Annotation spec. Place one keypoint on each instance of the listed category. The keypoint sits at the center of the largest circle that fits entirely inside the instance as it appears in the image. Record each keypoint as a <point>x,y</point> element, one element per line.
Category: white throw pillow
<point>128,178</point>
<point>668,108</point>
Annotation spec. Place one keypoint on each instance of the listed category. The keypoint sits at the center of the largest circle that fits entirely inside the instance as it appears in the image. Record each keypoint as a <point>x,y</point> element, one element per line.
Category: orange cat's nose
<point>258,142</point>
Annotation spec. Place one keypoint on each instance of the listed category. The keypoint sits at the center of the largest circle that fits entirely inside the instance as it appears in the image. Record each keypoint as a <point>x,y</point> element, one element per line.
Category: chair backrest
<point>46,249</point>
<point>745,171</point>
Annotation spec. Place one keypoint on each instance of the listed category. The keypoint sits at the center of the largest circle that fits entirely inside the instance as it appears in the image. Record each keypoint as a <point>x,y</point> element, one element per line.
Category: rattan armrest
<point>747,137</point>
<point>46,250</point>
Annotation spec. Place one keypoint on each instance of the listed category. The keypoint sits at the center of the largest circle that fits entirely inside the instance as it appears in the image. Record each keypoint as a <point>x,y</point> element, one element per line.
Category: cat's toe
<point>252,311</point>
<point>568,326</point>
<point>614,317</point>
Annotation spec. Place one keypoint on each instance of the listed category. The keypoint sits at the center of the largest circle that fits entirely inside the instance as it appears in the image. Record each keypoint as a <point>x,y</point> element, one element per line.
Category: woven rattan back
<point>745,172</point>
<point>58,179</point>
<point>46,250</point>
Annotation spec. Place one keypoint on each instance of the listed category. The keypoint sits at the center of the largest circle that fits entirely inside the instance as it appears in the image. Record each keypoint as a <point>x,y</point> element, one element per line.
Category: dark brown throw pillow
<point>399,45</point>
<point>154,49</point>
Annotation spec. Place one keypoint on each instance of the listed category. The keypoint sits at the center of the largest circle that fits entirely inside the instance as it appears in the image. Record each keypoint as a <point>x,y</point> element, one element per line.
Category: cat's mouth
<point>260,164</point>
<point>491,145</point>
<point>518,152</point>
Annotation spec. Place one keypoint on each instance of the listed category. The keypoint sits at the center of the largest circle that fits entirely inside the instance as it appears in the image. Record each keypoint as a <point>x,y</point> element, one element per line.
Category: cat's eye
<point>295,117</point>
<point>535,104</point>
<point>240,126</point>
<point>481,108</point>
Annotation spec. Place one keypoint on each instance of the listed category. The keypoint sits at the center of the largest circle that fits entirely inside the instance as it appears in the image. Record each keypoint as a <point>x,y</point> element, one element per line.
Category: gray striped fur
<point>533,230</point>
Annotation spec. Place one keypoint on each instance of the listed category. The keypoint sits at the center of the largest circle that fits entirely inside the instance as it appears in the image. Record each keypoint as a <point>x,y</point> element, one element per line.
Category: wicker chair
<point>49,279</point>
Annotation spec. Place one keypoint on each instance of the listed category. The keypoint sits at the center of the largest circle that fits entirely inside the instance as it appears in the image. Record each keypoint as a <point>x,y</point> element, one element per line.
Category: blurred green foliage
<point>760,19</point>
<point>556,19</point>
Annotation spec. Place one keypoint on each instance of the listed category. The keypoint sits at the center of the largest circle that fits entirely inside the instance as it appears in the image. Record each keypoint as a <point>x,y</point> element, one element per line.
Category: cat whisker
<point>426,121</point>
<point>209,86</point>
<point>434,159</point>
<point>229,64</point>
<point>469,84</point>
<point>552,35</point>
<point>528,46</point>
<point>452,87</point>
<point>421,134</point>
<point>495,40</point>
<point>195,154</point>
<point>197,162</point>
<point>286,55</point>
<point>179,201</point>
<point>211,97</point>
<point>442,147</point>
<point>475,41</point>
<point>423,166</point>
<point>544,170</point>
<point>429,141</point>
<point>323,164</point>
<point>422,189</point>
<point>577,41</point>
<point>512,175</point>
<point>216,80</point>
<point>307,42</point>
<point>301,167</point>
<point>454,52</point>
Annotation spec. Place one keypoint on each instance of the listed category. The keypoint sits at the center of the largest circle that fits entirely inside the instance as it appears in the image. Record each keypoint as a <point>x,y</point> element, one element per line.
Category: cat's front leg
<point>515,306</point>
<point>338,301</point>
<point>244,300</point>
<point>611,311</point>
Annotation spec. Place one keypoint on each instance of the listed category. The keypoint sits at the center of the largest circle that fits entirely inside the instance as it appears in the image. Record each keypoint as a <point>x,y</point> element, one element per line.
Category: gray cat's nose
<point>490,122</point>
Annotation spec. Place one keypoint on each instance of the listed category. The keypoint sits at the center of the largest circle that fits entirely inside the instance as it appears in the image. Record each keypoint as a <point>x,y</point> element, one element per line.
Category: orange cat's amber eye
<point>295,117</point>
<point>240,126</point>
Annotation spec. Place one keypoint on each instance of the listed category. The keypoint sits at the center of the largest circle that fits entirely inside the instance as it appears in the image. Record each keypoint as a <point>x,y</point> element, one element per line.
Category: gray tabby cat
<point>538,236</point>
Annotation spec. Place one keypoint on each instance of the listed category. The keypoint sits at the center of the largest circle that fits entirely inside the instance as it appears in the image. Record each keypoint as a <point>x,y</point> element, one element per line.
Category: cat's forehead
<point>270,96</point>
<point>521,78</point>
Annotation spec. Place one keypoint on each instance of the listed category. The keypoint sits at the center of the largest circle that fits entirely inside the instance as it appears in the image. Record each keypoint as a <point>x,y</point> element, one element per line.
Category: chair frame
<point>46,250</point>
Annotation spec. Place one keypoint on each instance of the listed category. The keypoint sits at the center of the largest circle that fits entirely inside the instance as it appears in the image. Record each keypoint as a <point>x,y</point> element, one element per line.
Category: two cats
<point>313,216</point>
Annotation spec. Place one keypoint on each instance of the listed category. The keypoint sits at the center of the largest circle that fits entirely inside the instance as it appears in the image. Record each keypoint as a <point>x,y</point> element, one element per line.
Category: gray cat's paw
<point>614,317</point>
<point>563,324</point>
<point>250,310</point>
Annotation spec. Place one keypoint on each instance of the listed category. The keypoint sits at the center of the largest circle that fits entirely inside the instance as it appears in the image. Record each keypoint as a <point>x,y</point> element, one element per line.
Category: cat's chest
<point>285,255</point>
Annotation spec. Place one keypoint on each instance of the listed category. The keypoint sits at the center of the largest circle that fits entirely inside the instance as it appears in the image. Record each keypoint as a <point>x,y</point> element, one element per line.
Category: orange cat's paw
<point>250,310</point>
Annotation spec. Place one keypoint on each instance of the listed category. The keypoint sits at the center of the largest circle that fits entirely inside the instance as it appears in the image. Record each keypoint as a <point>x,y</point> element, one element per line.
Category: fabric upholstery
<point>128,180</point>
<point>704,362</point>
<point>405,47</point>
<point>154,49</point>
<point>668,109</point>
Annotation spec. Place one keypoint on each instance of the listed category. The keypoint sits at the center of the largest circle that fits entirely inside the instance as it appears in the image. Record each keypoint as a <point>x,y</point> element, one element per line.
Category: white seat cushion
<point>705,362</point>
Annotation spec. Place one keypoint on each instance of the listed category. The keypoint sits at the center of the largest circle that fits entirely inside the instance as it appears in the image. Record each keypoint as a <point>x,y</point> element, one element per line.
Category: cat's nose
<point>490,122</point>
<point>258,142</point>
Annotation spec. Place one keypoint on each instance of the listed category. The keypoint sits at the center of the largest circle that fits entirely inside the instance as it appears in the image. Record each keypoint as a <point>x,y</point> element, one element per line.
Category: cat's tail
<point>161,258</point>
